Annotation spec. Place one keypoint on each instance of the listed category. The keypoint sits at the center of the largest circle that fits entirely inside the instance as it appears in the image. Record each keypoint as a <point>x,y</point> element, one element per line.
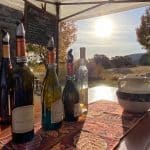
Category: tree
<point>102,60</point>
<point>121,61</point>
<point>66,38</point>
<point>143,31</point>
<point>39,50</point>
<point>94,71</point>
<point>145,60</point>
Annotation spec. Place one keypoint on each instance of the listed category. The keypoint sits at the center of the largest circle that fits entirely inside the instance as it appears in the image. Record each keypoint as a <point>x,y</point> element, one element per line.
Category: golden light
<point>103,27</point>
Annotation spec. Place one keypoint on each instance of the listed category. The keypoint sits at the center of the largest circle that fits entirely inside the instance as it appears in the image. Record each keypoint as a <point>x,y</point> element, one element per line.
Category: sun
<point>103,27</point>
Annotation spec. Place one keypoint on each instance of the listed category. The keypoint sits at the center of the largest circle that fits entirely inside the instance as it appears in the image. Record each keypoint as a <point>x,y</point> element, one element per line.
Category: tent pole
<point>57,36</point>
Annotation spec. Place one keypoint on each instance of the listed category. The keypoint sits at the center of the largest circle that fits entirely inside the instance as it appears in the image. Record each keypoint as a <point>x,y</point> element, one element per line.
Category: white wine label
<point>77,110</point>
<point>57,111</point>
<point>22,119</point>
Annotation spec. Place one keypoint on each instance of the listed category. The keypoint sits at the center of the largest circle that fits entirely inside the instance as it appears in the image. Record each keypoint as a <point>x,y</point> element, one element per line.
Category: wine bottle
<point>5,81</point>
<point>22,112</point>
<point>83,81</point>
<point>70,95</point>
<point>52,106</point>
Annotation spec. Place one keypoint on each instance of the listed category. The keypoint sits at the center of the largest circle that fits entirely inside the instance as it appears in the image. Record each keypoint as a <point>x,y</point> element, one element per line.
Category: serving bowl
<point>134,93</point>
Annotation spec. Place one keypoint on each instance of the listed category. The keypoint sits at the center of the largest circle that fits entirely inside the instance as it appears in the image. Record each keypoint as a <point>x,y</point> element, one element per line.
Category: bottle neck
<point>70,69</point>
<point>21,49</point>
<point>51,69</point>
<point>6,50</point>
<point>82,61</point>
<point>51,63</point>
<point>5,65</point>
<point>51,59</point>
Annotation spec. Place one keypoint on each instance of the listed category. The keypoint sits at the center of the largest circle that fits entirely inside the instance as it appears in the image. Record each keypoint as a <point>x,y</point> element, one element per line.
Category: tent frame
<point>97,4</point>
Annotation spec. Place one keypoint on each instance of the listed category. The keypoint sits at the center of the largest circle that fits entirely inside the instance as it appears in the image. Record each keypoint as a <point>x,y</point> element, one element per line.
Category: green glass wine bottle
<point>52,106</point>
<point>6,81</point>
<point>22,112</point>
<point>70,95</point>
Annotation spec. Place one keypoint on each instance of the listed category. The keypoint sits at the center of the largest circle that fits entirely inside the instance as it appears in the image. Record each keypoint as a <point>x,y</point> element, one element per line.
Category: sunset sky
<point>112,35</point>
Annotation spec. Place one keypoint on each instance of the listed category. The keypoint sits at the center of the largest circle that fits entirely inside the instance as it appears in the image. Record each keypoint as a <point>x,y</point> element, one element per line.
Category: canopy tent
<point>83,9</point>
<point>78,9</point>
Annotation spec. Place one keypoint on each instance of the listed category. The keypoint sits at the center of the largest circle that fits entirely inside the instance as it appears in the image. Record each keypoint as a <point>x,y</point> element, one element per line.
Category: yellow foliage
<point>66,38</point>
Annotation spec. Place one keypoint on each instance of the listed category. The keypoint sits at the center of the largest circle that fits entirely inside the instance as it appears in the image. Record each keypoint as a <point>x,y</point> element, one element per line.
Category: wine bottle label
<point>22,119</point>
<point>77,110</point>
<point>21,47</point>
<point>57,111</point>
<point>6,51</point>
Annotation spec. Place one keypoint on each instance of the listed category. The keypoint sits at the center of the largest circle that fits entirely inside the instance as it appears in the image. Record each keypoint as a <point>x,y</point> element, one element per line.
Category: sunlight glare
<point>102,92</point>
<point>103,27</point>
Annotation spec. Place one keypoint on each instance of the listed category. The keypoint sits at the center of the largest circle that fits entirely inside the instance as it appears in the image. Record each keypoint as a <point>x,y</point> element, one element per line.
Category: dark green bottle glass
<point>52,106</point>
<point>6,82</point>
<point>22,112</point>
<point>70,95</point>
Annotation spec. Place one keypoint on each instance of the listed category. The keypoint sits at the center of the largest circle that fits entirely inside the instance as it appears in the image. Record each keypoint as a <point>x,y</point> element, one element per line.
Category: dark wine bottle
<point>52,106</point>
<point>70,95</point>
<point>22,112</point>
<point>5,81</point>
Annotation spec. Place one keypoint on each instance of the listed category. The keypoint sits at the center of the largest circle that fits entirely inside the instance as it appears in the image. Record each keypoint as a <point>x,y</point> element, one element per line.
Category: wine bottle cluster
<point>16,90</point>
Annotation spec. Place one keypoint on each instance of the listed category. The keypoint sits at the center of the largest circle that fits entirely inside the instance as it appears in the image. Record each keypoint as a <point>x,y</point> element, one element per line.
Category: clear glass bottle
<point>83,81</point>
<point>52,106</point>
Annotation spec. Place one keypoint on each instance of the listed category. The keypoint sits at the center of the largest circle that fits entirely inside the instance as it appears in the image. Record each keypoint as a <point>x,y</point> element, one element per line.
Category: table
<point>103,127</point>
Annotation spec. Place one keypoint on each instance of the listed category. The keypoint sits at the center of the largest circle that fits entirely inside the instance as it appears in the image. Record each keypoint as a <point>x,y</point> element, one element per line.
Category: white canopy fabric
<point>80,9</point>
<point>98,9</point>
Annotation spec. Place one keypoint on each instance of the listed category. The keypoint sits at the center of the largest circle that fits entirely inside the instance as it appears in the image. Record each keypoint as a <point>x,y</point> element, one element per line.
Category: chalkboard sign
<point>8,19</point>
<point>39,26</point>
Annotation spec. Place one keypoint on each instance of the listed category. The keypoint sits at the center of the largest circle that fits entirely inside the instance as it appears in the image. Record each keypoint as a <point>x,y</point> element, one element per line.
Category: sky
<point>122,41</point>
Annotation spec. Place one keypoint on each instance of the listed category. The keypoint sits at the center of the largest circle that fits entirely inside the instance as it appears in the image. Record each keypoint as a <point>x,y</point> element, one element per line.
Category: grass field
<point>111,76</point>
<point>141,69</point>
<point>108,76</point>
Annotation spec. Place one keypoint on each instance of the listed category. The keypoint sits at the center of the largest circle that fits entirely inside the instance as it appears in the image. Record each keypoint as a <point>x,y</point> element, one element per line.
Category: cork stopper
<point>5,36</point>
<point>5,44</point>
<point>82,52</point>
<point>50,45</point>
<point>70,56</point>
<point>20,31</point>
<point>20,43</point>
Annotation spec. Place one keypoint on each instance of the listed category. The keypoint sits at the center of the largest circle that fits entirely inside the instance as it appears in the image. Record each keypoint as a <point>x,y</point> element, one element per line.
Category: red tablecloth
<point>102,129</point>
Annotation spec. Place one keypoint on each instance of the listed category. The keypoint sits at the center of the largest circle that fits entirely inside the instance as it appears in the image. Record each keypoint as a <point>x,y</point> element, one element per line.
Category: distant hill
<point>136,57</point>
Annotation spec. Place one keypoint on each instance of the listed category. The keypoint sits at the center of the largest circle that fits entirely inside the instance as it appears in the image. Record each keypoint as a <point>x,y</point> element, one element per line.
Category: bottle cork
<point>20,31</point>
<point>50,45</point>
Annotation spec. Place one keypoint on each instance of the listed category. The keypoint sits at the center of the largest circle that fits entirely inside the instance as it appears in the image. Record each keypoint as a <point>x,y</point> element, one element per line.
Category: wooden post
<point>57,36</point>
<point>25,14</point>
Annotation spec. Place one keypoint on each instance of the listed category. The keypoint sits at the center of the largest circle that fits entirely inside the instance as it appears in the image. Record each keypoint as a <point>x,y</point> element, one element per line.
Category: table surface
<point>102,115</point>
